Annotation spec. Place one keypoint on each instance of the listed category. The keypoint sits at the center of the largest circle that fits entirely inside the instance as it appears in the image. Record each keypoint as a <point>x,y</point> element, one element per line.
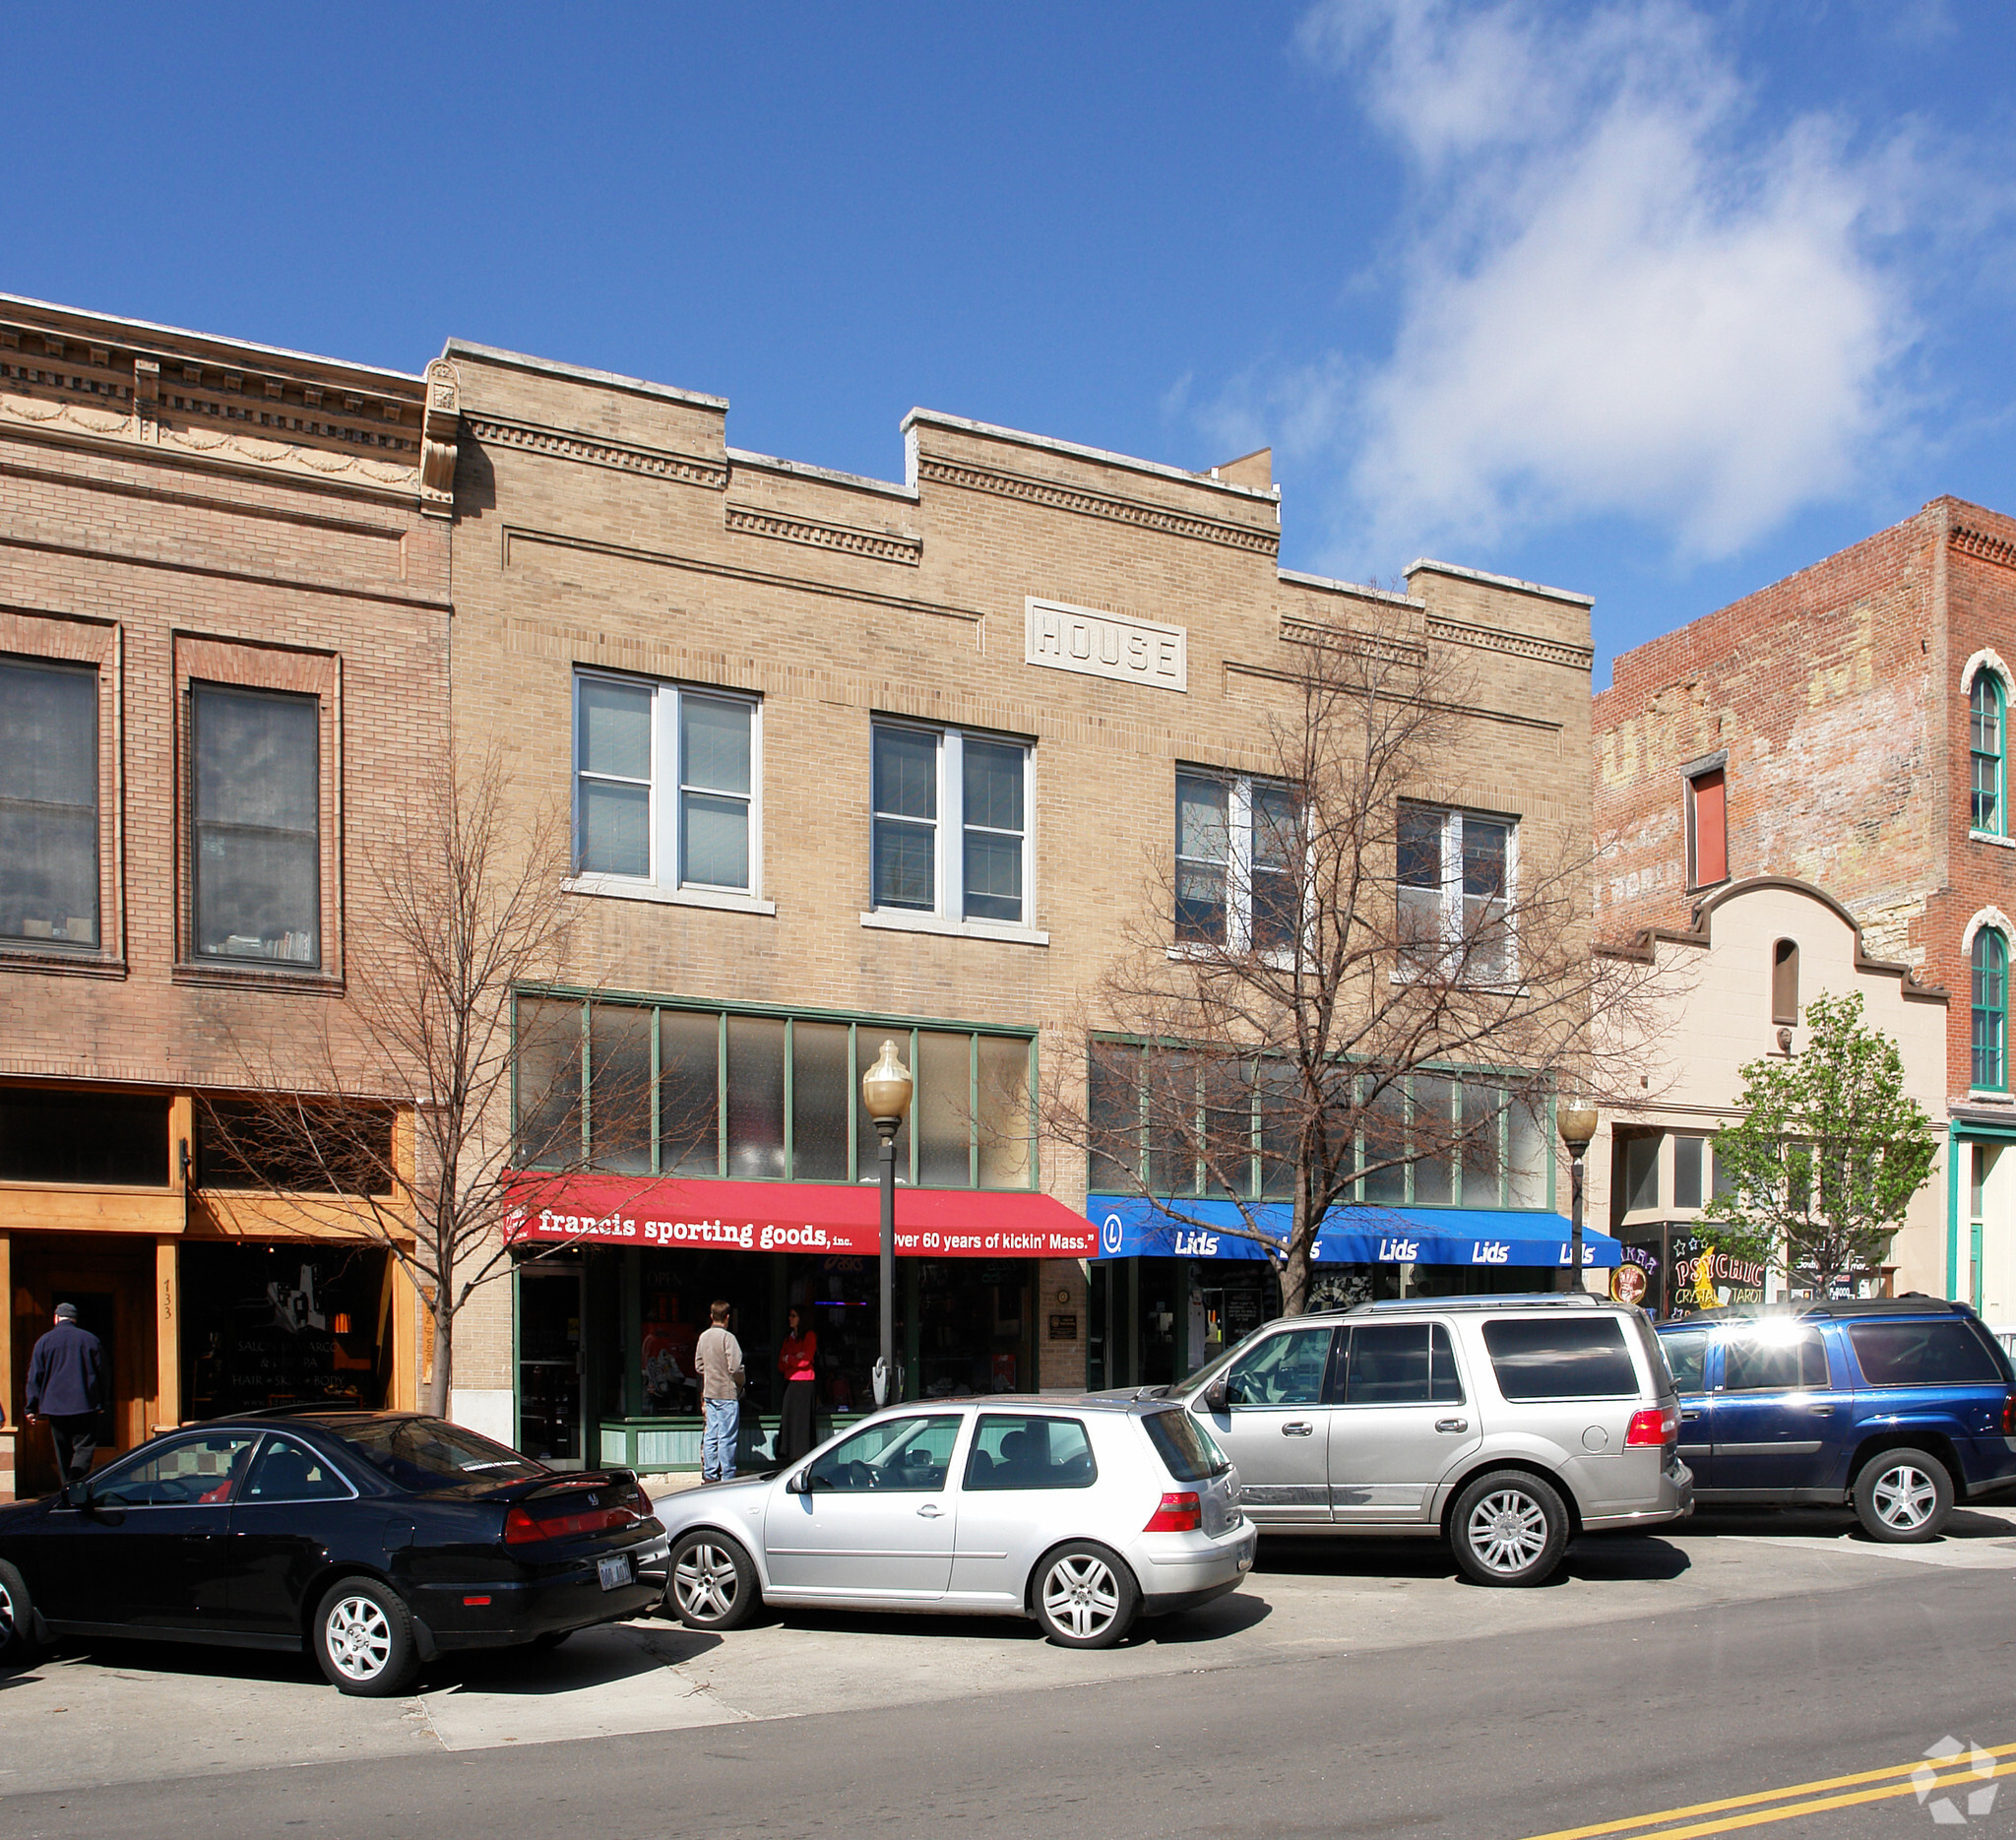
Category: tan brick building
<point>224,636</point>
<point>1845,726</point>
<point>849,759</point>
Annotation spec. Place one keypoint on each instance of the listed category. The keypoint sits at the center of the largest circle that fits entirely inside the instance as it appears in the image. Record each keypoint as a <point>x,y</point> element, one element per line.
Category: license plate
<point>615,1572</point>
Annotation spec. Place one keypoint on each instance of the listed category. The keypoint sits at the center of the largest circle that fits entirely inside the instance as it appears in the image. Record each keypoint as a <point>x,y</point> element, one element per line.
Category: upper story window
<point>1984,724</point>
<point>1707,828</point>
<point>1455,874</point>
<point>665,785</point>
<point>1990,1009</point>
<point>1784,982</point>
<point>256,846</point>
<point>49,803</point>
<point>950,824</point>
<point>1236,885</point>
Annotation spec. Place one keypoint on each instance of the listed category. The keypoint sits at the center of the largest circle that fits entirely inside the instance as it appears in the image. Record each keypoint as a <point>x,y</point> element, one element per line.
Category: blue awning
<point>1130,1227</point>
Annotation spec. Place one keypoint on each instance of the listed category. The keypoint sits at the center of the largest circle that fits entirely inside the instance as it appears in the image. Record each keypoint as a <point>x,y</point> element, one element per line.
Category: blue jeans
<point>718,1442</point>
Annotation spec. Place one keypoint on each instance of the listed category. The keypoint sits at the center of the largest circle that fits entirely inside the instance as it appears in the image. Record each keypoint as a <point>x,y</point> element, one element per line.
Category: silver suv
<point>1505,1425</point>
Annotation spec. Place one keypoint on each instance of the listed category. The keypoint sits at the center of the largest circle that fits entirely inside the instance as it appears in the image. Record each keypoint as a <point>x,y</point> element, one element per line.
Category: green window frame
<point>741,1092</point>
<point>1990,967</point>
<point>1987,729</point>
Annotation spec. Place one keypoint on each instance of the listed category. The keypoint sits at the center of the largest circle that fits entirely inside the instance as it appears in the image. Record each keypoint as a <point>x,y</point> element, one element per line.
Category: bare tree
<point>468,911</point>
<point>1343,973</point>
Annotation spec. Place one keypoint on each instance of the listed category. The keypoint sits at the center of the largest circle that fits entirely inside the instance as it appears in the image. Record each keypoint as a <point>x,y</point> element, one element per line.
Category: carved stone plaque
<point>1108,645</point>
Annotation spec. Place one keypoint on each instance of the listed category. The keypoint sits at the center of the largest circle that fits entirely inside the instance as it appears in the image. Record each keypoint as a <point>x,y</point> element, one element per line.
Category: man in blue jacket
<point>65,1384</point>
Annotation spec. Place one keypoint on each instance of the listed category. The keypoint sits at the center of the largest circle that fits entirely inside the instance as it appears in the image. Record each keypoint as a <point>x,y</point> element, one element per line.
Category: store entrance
<point>112,1283</point>
<point>550,1380</point>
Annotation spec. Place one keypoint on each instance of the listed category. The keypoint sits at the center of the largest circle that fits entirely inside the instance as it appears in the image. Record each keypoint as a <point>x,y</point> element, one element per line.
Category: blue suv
<point>1894,1405</point>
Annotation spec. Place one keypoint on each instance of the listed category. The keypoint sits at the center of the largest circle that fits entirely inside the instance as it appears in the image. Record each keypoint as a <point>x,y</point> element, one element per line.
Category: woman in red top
<point>797,1361</point>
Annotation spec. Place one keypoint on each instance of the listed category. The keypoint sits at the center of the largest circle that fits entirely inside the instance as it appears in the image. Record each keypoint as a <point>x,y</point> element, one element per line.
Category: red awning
<point>791,1217</point>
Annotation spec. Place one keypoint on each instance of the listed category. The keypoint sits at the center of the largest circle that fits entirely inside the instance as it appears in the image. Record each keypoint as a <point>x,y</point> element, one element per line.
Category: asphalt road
<point>1659,1676</point>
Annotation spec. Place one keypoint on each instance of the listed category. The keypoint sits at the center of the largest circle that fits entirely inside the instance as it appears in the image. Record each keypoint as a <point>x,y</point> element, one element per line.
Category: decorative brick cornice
<point>655,463</point>
<point>1983,548</point>
<point>881,545</point>
<point>1514,644</point>
<point>1087,504</point>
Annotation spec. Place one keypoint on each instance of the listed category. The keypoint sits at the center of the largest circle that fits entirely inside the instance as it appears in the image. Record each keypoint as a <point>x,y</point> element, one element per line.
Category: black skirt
<point>795,1430</point>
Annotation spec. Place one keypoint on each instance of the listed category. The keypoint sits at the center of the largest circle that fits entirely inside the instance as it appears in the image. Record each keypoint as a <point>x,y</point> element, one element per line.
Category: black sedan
<point>378,1539</point>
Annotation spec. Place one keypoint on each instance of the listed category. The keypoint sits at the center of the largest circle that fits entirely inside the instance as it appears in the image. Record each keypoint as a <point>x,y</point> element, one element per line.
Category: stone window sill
<point>615,888</point>
<point>250,976</point>
<point>44,962</point>
<point>893,919</point>
<point>1989,837</point>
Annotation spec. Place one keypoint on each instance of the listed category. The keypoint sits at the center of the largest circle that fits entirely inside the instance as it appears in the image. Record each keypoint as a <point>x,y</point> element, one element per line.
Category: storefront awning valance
<point>1130,1227</point>
<point>791,1217</point>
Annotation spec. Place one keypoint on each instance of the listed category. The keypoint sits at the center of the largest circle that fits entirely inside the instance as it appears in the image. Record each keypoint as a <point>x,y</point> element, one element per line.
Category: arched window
<point>1990,1009</point>
<point>1785,981</point>
<point>1984,743</point>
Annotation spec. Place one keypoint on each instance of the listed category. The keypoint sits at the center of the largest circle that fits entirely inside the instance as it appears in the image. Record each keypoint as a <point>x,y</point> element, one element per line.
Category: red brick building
<point>1846,727</point>
<point>224,649</point>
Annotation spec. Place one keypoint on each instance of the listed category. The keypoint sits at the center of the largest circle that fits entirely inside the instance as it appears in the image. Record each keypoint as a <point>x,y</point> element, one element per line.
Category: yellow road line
<point>1646,1822</point>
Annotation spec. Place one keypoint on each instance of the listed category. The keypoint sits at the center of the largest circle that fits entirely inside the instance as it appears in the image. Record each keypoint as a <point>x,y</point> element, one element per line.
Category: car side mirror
<point>1215,1397</point>
<point>799,1485</point>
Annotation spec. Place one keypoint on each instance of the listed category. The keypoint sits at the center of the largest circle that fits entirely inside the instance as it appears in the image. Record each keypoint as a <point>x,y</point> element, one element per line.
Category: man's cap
<point>66,1313</point>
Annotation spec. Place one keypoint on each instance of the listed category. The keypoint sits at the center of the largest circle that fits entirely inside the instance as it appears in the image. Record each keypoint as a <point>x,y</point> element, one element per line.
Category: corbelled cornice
<point>1983,548</point>
<point>655,463</point>
<point>1515,643</point>
<point>881,545</point>
<point>1088,504</point>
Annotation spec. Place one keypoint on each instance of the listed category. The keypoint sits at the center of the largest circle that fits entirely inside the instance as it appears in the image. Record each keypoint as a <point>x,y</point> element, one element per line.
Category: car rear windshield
<point>423,1453</point>
<point>1547,1358</point>
<point>1924,1354</point>
<point>1188,1451</point>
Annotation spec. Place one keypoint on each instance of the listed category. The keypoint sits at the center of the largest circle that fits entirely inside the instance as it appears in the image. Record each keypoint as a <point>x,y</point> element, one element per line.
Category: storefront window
<point>684,1092</point>
<point>296,1323</point>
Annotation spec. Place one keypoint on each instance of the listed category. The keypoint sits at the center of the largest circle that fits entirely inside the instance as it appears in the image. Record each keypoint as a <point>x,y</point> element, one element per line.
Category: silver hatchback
<point>1505,1425</point>
<point>1082,1513</point>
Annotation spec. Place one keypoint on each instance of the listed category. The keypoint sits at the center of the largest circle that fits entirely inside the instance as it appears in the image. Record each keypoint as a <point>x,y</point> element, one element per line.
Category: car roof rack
<point>1835,1309</point>
<point>1552,1299</point>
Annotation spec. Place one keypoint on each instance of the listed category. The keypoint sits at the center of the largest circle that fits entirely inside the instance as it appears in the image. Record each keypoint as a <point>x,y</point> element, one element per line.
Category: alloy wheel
<point>1082,1596</point>
<point>705,1583</point>
<point>1508,1531</point>
<point>1905,1498</point>
<point>358,1637</point>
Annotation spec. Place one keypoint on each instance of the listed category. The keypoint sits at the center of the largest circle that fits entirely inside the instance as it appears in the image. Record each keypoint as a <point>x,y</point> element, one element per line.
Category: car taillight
<point>2009,1415</point>
<point>1180,1512</point>
<point>1653,1427</point>
<point>520,1528</point>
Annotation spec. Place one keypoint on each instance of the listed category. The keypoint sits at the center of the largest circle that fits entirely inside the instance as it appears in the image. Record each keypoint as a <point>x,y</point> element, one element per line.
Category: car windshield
<point>423,1453</point>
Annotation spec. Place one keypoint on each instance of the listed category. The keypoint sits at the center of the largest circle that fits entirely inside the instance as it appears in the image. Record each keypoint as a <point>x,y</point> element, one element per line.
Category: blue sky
<point>1652,301</point>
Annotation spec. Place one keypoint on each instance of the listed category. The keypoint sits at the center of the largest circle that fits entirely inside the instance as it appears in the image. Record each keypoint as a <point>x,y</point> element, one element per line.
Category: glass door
<point>549,1366</point>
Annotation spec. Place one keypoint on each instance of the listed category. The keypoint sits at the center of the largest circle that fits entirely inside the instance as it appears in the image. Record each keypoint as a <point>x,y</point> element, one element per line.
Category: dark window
<point>893,1454</point>
<point>1771,1358</point>
<point>287,1470</point>
<point>1285,1369</point>
<point>1925,1353</point>
<point>1687,1166</point>
<point>1784,982</point>
<point>257,848</point>
<point>1543,1358</point>
<point>195,1471</point>
<point>1641,1173</point>
<point>49,803</point>
<point>1686,1355</point>
<point>1188,1450</point>
<point>1203,858</point>
<point>1984,747</point>
<point>905,820</point>
<point>1401,1363</point>
<point>1027,1450</point>
<point>421,1453</point>
<point>1990,1009</point>
<point>302,1146</point>
<point>115,1138</point>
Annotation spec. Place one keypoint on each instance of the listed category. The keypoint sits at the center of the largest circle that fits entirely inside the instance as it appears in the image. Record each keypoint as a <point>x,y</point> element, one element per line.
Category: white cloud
<point>1617,293</point>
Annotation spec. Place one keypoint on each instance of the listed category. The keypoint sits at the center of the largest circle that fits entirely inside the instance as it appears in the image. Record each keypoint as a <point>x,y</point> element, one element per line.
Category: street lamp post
<point>885,1093</point>
<point>1575,1119</point>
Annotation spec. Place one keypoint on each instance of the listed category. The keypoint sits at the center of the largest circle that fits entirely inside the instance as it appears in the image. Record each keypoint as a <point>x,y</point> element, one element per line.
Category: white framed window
<point>950,829</point>
<point>1455,872</point>
<point>1235,850</point>
<point>667,791</point>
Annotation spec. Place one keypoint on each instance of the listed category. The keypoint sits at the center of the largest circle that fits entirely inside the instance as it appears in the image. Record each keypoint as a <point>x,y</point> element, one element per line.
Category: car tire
<point>1509,1528</point>
<point>1903,1496</point>
<point>710,1582</point>
<point>16,1619</point>
<point>1083,1596</point>
<point>363,1638</point>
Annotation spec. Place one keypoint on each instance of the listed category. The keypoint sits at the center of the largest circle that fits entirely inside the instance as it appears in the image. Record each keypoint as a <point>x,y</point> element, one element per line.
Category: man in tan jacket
<point>717,1357</point>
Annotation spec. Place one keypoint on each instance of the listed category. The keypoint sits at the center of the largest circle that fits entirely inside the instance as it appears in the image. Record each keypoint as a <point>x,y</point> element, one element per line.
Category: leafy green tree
<point>1817,1177</point>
